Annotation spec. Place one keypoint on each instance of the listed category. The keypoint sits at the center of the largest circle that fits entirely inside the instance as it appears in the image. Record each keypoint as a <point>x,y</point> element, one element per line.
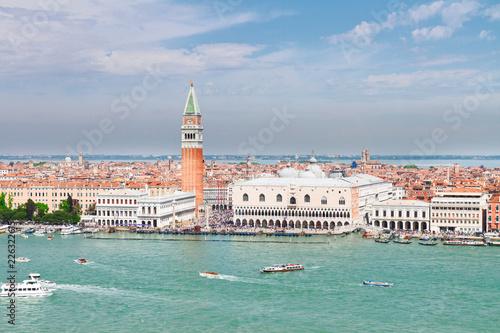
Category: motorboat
<point>39,233</point>
<point>378,284</point>
<point>4,229</point>
<point>24,236</point>
<point>466,241</point>
<point>82,261</point>
<point>71,230</point>
<point>382,240</point>
<point>28,288</point>
<point>209,273</point>
<point>401,241</point>
<point>282,268</point>
<point>22,259</point>
<point>431,243</point>
<point>50,237</point>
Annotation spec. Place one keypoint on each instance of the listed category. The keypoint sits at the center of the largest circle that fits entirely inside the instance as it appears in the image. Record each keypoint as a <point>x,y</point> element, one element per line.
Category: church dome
<point>287,172</point>
<point>68,159</point>
<point>307,174</point>
<point>316,170</point>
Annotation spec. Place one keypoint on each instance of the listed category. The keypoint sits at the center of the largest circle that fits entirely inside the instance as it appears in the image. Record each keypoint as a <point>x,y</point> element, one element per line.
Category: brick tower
<point>192,148</point>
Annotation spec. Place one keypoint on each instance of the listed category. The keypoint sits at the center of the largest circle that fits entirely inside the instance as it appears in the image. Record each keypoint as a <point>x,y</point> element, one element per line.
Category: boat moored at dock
<point>466,241</point>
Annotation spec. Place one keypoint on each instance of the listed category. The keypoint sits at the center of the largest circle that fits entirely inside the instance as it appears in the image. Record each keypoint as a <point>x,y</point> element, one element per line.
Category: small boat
<point>82,261</point>
<point>401,241</point>
<point>431,243</point>
<point>378,284</point>
<point>282,268</point>
<point>40,233</point>
<point>382,240</point>
<point>24,236</point>
<point>209,273</point>
<point>50,238</point>
<point>3,229</point>
<point>22,259</point>
<point>28,288</point>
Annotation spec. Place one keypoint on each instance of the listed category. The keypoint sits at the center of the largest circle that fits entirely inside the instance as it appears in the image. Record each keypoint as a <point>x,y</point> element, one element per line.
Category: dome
<point>68,159</point>
<point>307,174</point>
<point>287,172</point>
<point>316,170</point>
<point>312,159</point>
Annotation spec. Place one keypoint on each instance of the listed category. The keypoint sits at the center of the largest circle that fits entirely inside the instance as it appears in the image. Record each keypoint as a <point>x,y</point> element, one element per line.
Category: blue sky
<point>271,77</point>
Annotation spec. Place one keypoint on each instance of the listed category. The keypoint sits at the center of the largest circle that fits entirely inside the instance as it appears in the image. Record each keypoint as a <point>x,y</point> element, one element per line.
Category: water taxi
<point>81,261</point>
<point>282,268</point>
<point>50,237</point>
<point>466,241</point>
<point>28,288</point>
<point>4,229</point>
<point>378,284</point>
<point>22,259</point>
<point>209,273</point>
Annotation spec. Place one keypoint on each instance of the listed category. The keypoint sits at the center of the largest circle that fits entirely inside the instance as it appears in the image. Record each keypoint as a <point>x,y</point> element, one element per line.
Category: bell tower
<point>192,148</point>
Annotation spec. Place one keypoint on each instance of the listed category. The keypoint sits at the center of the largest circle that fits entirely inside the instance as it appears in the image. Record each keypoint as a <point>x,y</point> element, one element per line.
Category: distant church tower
<point>192,148</point>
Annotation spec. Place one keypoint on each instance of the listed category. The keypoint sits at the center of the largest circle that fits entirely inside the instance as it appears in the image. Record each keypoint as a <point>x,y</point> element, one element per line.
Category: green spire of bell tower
<point>192,107</point>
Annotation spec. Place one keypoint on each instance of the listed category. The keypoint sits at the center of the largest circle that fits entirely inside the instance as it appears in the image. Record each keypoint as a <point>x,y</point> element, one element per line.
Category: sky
<point>271,77</point>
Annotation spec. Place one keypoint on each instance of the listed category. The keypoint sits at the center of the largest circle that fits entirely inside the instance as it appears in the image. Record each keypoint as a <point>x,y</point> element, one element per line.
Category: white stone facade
<point>401,215</point>
<point>319,203</point>
<point>126,207</point>
<point>459,211</point>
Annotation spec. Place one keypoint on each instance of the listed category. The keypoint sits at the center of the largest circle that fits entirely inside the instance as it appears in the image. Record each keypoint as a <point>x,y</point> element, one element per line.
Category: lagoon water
<point>150,285</point>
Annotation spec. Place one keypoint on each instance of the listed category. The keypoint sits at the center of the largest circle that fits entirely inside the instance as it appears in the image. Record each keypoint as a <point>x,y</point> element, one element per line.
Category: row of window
<point>118,201</point>
<point>293,201</point>
<point>400,213</point>
<point>496,208</point>
<point>293,213</point>
<point>489,219</point>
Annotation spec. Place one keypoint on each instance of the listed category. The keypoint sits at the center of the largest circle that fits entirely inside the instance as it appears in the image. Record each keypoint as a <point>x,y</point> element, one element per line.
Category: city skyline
<point>271,77</point>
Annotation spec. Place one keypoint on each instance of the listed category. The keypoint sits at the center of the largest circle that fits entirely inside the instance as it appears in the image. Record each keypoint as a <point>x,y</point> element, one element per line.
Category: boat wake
<point>233,278</point>
<point>87,289</point>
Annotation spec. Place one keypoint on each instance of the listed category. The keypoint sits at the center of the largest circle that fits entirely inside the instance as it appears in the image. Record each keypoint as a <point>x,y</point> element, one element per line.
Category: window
<point>293,201</point>
<point>342,201</point>
<point>279,198</point>
<point>307,198</point>
<point>245,197</point>
<point>496,208</point>
<point>262,197</point>
<point>324,201</point>
<point>496,219</point>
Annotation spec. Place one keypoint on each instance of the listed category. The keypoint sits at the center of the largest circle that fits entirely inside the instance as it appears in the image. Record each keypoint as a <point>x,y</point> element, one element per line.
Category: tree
<point>2,201</point>
<point>31,207</point>
<point>42,209</point>
<point>6,215</point>
<point>11,163</point>
<point>10,199</point>
<point>70,203</point>
<point>63,205</point>
<point>19,215</point>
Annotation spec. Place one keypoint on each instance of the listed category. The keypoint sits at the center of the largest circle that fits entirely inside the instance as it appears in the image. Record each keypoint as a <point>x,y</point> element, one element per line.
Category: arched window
<point>496,219</point>
<point>307,198</point>
<point>324,201</point>
<point>245,197</point>
<point>262,197</point>
<point>489,218</point>
<point>489,208</point>
<point>497,208</point>
<point>341,201</point>
<point>279,198</point>
<point>293,201</point>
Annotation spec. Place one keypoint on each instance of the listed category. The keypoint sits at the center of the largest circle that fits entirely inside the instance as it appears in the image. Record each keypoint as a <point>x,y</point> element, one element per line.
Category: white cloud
<point>486,35</point>
<point>493,13</point>
<point>436,33</point>
<point>425,12</point>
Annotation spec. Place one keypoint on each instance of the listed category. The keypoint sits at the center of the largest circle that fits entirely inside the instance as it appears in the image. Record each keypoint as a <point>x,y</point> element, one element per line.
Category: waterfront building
<point>309,202</point>
<point>192,148</point>
<point>493,212</point>
<point>217,196</point>
<point>124,207</point>
<point>459,210</point>
<point>401,215</point>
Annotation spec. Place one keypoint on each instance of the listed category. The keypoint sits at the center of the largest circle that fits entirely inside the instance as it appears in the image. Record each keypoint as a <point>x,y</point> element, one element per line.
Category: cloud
<point>486,35</point>
<point>493,13</point>
<point>425,12</point>
<point>452,15</point>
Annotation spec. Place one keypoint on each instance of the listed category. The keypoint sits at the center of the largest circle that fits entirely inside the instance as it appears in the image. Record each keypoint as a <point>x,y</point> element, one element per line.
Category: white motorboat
<point>22,259</point>
<point>282,268</point>
<point>71,230</point>
<point>3,229</point>
<point>28,288</point>
<point>24,236</point>
<point>39,233</point>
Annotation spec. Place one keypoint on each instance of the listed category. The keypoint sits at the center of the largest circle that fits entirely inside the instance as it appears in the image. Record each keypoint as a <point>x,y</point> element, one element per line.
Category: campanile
<point>192,148</point>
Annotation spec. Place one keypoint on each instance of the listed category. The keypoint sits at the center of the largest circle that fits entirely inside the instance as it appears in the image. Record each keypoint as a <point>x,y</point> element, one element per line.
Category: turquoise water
<point>154,286</point>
